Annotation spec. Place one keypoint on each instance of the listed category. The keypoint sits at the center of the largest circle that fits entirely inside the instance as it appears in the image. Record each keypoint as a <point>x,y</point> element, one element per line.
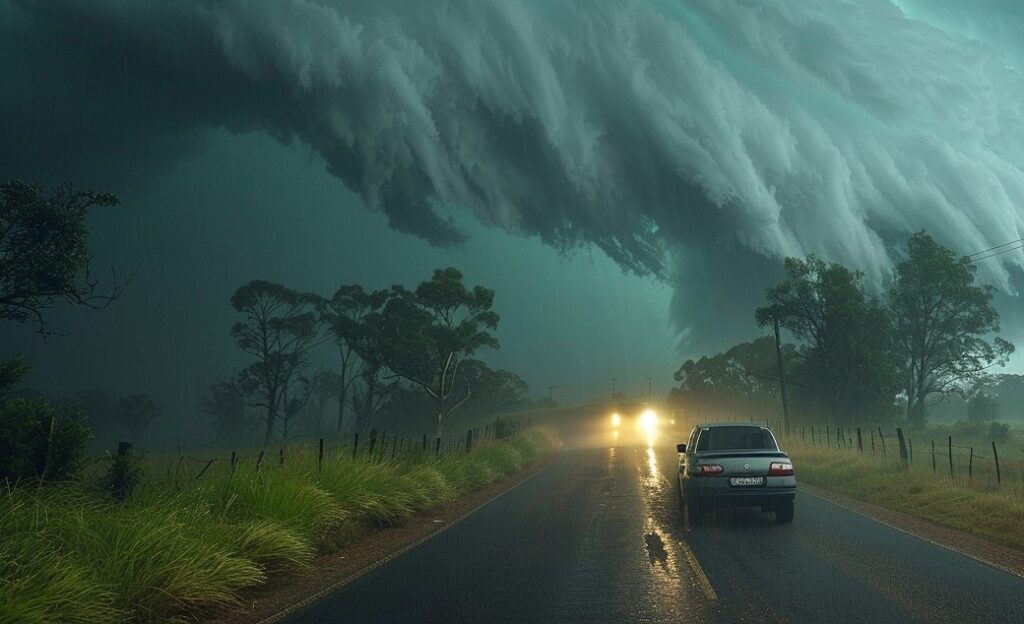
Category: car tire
<point>784,512</point>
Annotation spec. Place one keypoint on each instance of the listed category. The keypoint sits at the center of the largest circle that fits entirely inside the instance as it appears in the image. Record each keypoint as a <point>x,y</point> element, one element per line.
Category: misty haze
<point>356,311</point>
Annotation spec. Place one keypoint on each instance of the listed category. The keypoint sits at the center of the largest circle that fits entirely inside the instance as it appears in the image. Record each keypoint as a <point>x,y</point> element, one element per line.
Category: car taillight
<point>706,470</point>
<point>780,469</point>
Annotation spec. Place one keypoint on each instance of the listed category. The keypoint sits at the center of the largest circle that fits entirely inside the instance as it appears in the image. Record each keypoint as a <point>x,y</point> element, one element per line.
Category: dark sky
<point>243,207</point>
<point>626,175</point>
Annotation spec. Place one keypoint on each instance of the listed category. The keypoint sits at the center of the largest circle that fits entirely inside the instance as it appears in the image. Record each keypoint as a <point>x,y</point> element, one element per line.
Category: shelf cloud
<point>699,142</point>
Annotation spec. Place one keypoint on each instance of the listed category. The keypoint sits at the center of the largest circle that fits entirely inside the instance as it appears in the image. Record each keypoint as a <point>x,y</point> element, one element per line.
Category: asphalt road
<point>598,537</point>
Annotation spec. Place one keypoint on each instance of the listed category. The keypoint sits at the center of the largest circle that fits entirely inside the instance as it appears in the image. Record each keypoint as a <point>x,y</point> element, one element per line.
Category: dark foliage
<point>40,440</point>
<point>123,476</point>
<point>44,246</point>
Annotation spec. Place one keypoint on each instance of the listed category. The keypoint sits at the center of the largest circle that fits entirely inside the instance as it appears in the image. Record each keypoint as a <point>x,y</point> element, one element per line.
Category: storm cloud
<point>698,142</point>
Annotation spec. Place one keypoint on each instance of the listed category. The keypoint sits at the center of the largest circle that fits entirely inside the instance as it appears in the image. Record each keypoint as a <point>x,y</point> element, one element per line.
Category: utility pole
<point>782,378</point>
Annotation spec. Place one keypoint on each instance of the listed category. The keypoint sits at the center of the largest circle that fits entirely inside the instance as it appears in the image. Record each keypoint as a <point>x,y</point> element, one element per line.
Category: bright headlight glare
<point>649,420</point>
<point>616,420</point>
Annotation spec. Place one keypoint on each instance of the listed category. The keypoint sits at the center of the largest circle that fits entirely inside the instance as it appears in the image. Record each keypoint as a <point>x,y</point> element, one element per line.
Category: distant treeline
<point>860,358</point>
<point>398,354</point>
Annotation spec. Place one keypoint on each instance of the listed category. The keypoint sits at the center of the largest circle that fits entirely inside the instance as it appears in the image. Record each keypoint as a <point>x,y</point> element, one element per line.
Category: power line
<point>978,253</point>
<point>998,253</point>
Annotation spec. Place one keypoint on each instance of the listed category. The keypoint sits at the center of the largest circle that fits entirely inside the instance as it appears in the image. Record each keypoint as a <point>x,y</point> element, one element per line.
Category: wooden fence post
<point>201,472</point>
<point>355,444</point>
<point>280,455</point>
<point>437,447</point>
<point>860,441</point>
<point>828,436</point>
<point>394,447</point>
<point>259,461</point>
<point>469,441</point>
<point>951,457</point>
<point>995,456</point>
<point>813,441</point>
<point>970,465</point>
<point>882,438</point>
<point>934,469</point>
<point>373,443</point>
<point>424,442</point>
<point>872,441</point>
<point>910,446</point>
<point>320,457</point>
<point>903,444</point>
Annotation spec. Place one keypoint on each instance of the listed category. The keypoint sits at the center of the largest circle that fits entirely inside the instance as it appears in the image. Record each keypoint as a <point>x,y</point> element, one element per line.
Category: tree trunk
<point>341,405</point>
<point>440,413</point>
<point>271,418</point>
<point>342,391</point>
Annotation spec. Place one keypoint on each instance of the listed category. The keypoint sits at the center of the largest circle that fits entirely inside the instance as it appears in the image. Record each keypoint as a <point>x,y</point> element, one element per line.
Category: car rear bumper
<point>759,498</point>
<point>716,492</point>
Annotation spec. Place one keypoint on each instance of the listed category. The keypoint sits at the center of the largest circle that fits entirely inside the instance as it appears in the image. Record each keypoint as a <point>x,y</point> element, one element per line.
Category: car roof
<point>731,424</point>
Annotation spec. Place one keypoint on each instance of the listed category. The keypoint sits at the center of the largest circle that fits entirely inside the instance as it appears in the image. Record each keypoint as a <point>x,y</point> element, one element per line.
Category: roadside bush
<point>998,432</point>
<point>40,439</point>
<point>123,476</point>
<point>968,429</point>
<point>989,431</point>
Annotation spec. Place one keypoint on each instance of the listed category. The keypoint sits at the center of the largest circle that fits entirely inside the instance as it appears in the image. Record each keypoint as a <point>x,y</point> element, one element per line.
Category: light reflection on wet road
<point>599,537</point>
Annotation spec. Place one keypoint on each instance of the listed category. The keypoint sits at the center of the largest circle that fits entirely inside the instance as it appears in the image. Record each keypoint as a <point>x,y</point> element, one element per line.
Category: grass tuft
<point>177,547</point>
<point>977,504</point>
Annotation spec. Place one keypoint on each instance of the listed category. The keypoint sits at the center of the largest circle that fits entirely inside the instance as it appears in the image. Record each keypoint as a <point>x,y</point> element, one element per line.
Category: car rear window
<point>736,438</point>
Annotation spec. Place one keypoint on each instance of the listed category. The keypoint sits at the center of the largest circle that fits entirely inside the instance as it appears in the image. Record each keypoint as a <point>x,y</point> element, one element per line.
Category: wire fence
<point>974,463</point>
<point>371,446</point>
<point>968,462</point>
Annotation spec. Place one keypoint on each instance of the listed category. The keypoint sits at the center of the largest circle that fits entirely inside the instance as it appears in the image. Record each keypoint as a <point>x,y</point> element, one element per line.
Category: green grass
<point>978,504</point>
<point>180,547</point>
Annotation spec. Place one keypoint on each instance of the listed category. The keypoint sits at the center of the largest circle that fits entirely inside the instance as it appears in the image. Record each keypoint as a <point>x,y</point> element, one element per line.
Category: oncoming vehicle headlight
<point>649,421</point>
<point>616,420</point>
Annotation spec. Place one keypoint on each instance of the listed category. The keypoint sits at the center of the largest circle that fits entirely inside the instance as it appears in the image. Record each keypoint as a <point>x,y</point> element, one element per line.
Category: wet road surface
<point>599,537</point>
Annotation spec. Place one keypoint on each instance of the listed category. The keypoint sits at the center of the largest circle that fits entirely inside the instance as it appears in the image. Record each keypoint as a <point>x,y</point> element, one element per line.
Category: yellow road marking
<point>702,579</point>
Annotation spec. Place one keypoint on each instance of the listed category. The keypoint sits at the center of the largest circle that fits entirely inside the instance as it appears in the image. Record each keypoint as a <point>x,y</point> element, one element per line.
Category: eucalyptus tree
<point>491,389</point>
<point>742,379</point>
<point>351,317</point>
<point>225,407</point>
<point>281,326</point>
<point>426,335</point>
<point>943,324</point>
<point>846,351</point>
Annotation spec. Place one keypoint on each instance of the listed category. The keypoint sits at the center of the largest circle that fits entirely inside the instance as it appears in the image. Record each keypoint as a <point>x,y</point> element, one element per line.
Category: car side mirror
<point>680,448</point>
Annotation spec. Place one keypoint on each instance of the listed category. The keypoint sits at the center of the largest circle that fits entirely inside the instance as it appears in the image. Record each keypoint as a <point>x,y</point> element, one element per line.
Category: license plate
<point>746,481</point>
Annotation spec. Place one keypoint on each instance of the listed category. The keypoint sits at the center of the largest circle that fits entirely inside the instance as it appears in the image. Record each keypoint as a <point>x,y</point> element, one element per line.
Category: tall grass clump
<point>173,548</point>
<point>40,582</point>
<point>975,504</point>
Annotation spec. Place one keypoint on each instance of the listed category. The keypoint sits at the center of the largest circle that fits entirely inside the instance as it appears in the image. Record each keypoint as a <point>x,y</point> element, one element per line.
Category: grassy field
<point>178,547</point>
<point>976,503</point>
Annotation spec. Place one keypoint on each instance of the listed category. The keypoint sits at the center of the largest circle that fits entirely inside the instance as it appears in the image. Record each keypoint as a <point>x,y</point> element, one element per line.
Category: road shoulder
<point>1001,557</point>
<point>330,572</point>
